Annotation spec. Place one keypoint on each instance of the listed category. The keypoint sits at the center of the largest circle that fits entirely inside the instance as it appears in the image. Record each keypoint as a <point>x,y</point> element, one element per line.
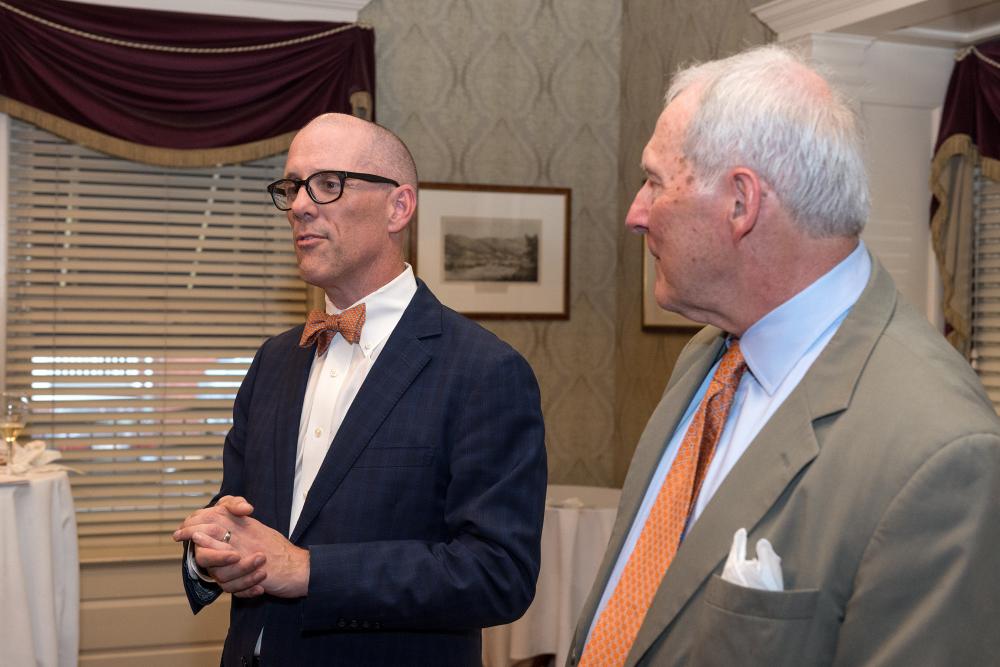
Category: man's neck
<point>776,282</point>
<point>343,299</point>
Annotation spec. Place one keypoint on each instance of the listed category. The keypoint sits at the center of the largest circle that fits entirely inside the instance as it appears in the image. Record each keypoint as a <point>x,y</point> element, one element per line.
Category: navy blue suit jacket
<point>423,524</point>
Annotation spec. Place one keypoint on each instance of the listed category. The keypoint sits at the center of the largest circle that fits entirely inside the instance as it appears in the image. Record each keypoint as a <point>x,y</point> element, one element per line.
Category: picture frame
<point>655,318</point>
<point>494,251</point>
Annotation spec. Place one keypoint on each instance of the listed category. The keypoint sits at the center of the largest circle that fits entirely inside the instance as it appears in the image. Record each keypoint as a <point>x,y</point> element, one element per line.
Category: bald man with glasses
<point>384,478</point>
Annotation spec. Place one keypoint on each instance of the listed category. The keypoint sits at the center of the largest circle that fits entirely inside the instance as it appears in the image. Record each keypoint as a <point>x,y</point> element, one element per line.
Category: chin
<point>664,298</point>
<point>314,278</point>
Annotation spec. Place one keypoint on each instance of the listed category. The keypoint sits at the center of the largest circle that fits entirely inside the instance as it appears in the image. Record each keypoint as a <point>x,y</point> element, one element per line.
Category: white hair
<point>768,110</point>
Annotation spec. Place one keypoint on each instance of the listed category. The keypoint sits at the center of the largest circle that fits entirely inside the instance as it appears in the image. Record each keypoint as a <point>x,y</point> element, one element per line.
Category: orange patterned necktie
<point>321,328</point>
<point>619,623</point>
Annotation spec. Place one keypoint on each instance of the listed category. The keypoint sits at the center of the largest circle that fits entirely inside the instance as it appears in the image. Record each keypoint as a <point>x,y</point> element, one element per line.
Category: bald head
<point>383,152</point>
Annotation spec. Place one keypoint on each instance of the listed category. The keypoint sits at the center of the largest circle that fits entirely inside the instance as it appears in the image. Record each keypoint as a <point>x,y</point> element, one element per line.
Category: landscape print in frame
<point>492,251</point>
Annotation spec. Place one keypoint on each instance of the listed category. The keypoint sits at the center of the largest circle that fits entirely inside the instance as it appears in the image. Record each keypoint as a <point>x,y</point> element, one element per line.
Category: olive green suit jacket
<point>877,482</point>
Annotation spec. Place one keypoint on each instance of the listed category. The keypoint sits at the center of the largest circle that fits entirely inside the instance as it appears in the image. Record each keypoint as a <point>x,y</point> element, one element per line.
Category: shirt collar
<point>776,342</point>
<point>383,309</point>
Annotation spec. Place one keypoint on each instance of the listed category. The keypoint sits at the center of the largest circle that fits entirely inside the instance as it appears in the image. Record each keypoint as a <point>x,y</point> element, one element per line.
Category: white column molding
<point>898,88</point>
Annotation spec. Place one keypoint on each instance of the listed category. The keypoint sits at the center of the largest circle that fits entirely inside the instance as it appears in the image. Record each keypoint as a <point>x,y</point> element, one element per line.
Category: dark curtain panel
<point>972,105</point>
<point>969,137</point>
<point>174,81</point>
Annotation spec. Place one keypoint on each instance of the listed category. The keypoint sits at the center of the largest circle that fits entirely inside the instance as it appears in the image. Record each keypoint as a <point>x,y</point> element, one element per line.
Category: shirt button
<point>368,346</point>
<point>333,373</point>
<point>318,432</point>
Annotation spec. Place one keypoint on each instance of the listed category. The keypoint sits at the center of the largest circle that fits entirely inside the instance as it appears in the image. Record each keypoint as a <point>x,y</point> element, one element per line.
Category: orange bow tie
<point>320,327</point>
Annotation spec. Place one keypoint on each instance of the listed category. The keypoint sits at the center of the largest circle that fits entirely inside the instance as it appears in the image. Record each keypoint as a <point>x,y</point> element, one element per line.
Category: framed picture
<point>492,251</point>
<point>654,317</point>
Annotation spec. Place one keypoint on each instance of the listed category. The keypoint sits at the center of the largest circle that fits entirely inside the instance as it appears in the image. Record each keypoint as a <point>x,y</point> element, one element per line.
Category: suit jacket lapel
<point>784,446</point>
<point>652,442</point>
<point>286,432</point>
<point>398,365</point>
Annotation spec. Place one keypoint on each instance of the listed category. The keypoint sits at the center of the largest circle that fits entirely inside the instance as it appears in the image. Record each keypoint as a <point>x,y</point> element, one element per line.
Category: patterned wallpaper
<point>658,37</point>
<point>556,93</point>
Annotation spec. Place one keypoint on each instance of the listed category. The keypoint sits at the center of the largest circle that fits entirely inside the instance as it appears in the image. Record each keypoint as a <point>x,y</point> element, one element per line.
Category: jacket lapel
<point>295,376</point>
<point>398,365</point>
<point>786,445</point>
<point>699,356</point>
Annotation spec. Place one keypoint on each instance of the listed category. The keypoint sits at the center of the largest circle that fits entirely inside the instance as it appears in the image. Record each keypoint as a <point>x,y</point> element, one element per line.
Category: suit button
<point>243,661</point>
<point>378,625</point>
<point>354,624</point>
<point>365,625</point>
<point>341,623</point>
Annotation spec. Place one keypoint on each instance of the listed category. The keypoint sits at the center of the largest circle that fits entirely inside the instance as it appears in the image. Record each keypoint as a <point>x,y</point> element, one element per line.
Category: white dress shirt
<point>334,381</point>
<point>779,348</point>
<point>336,377</point>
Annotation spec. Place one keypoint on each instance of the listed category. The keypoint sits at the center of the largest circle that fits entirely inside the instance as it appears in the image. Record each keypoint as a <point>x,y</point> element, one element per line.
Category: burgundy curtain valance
<point>972,105</point>
<point>174,88</point>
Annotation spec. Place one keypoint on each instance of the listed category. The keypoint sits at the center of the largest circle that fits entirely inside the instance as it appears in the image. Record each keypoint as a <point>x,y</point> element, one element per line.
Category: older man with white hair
<point>818,431</point>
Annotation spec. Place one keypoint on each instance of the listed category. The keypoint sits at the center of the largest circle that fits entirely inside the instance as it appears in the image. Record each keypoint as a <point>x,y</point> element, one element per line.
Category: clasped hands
<point>255,560</point>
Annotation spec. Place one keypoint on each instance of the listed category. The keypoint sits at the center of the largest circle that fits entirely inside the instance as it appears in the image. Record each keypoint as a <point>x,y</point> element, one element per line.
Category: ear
<point>402,207</point>
<point>745,194</point>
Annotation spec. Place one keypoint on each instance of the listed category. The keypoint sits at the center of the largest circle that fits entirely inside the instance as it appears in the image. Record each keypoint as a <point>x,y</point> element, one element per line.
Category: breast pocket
<point>747,626</point>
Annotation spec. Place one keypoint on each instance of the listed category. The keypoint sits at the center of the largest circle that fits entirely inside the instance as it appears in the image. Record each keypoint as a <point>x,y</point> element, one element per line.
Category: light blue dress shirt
<point>779,348</point>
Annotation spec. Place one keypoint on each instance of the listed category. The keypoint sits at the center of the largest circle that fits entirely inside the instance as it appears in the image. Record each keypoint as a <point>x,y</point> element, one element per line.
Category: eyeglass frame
<point>341,174</point>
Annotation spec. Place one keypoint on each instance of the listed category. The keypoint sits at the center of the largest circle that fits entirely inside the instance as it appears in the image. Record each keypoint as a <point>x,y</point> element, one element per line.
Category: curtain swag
<point>969,136</point>
<point>178,89</point>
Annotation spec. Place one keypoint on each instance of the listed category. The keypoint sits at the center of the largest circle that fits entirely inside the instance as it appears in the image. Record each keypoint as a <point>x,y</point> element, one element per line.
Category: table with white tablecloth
<point>39,572</point>
<point>578,522</point>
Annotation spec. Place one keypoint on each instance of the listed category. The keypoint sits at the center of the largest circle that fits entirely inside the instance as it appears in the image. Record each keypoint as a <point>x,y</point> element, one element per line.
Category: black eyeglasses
<point>323,187</point>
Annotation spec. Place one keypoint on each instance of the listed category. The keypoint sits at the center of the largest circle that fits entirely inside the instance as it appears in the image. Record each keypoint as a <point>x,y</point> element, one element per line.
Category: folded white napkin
<point>33,457</point>
<point>764,572</point>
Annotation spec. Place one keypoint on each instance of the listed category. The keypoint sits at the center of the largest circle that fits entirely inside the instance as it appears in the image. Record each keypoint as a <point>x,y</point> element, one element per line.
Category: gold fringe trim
<point>956,144</point>
<point>179,49</point>
<point>963,54</point>
<point>165,157</point>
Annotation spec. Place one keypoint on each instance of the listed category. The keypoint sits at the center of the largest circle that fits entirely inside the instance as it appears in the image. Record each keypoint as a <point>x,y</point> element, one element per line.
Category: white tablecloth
<point>39,573</point>
<point>573,542</point>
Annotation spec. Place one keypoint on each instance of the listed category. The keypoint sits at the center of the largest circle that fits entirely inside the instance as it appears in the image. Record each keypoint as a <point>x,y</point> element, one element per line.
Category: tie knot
<point>320,327</point>
<point>731,367</point>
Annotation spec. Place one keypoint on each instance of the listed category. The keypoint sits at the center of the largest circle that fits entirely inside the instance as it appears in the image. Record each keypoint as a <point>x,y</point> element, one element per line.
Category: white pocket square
<point>763,572</point>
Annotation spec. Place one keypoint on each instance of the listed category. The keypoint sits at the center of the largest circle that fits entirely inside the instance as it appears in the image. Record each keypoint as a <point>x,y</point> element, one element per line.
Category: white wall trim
<point>345,11</point>
<point>920,21</point>
<point>795,18</point>
<point>883,72</point>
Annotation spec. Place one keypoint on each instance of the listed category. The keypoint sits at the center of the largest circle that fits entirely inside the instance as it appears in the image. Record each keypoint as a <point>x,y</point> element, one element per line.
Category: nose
<point>638,213</point>
<point>302,203</point>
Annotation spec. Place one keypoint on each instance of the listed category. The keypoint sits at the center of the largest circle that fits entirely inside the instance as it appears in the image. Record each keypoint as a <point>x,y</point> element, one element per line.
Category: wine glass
<point>12,422</point>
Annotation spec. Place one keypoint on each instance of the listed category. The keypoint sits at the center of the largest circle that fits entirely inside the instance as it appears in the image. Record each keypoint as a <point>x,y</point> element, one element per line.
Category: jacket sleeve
<point>926,589</point>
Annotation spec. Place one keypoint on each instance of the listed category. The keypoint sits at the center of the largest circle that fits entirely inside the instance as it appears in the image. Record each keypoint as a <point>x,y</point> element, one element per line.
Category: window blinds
<point>137,296</point>
<point>986,288</point>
